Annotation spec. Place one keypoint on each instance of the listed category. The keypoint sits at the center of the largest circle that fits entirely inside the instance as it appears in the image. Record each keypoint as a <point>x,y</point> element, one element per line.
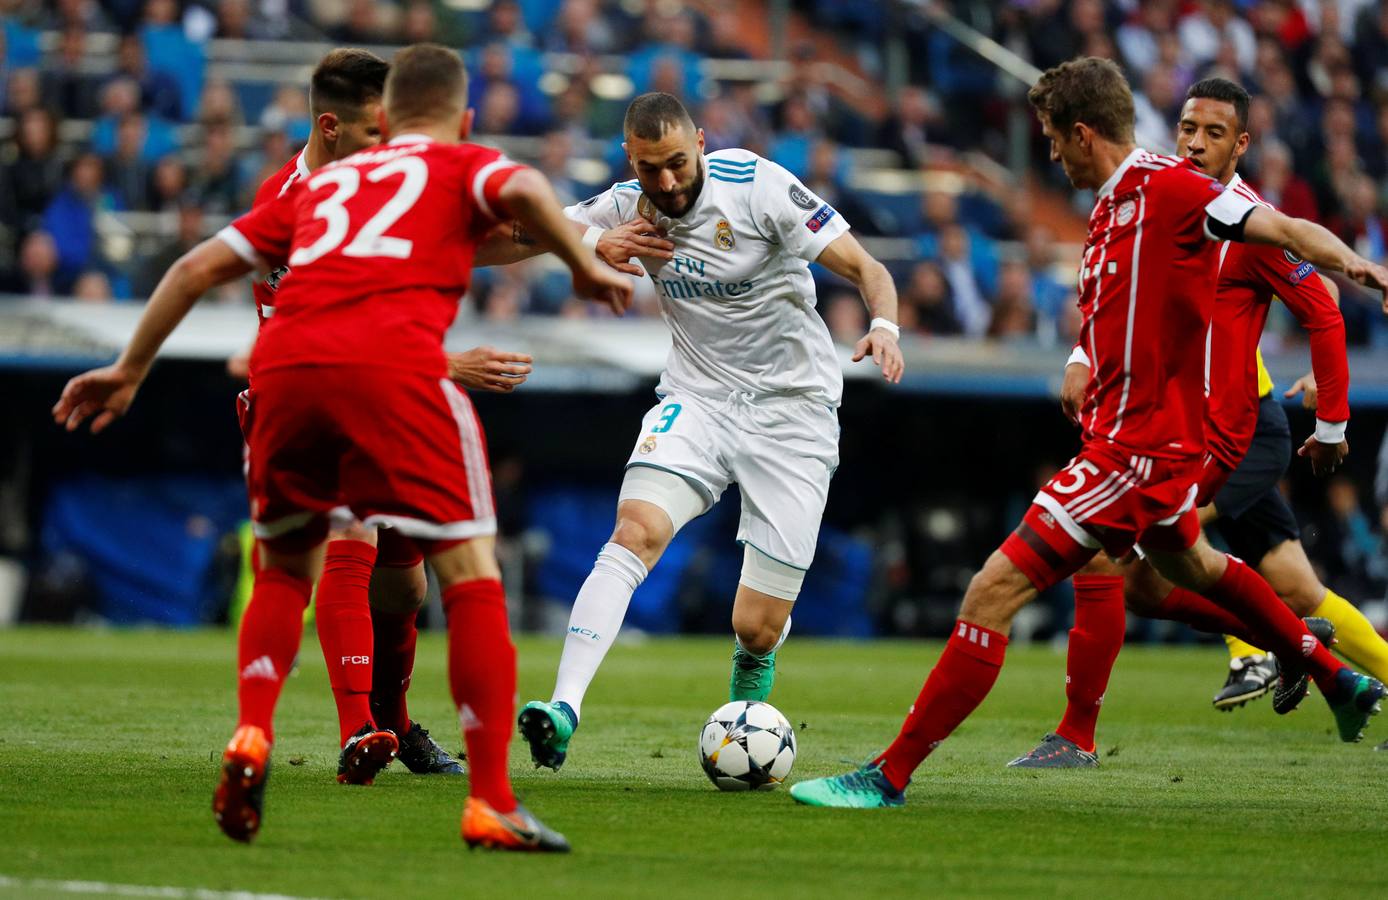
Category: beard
<point>682,199</point>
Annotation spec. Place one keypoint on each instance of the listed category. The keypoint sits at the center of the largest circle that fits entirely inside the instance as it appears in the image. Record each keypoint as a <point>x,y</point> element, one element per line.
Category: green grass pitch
<point>109,742</point>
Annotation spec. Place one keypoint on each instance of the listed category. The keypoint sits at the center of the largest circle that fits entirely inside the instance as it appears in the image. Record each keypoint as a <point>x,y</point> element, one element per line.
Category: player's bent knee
<point>651,509</point>
<point>995,593</point>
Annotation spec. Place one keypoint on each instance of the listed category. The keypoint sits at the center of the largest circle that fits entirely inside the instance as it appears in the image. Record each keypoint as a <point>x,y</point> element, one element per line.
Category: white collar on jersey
<point>1234,182</point>
<point>1119,172</point>
<point>410,139</point>
<point>301,164</point>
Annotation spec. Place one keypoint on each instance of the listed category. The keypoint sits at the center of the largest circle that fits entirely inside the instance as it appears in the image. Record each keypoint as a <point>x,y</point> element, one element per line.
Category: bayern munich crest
<point>1126,210</point>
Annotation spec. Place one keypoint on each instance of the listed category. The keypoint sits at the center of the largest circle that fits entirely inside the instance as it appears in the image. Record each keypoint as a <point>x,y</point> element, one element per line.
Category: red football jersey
<point>1251,276</point>
<point>381,246</point>
<point>1146,288</point>
<point>264,288</point>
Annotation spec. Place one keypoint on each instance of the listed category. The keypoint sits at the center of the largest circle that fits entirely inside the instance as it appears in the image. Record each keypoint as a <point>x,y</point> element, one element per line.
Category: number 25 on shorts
<point>1079,471</point>
<point>667,418</point>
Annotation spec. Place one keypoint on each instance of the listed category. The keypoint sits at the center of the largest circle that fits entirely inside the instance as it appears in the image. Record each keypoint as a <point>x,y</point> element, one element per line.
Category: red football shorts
<point>1105,499</point>
<point>392,449</point>
<point>1212,479</point>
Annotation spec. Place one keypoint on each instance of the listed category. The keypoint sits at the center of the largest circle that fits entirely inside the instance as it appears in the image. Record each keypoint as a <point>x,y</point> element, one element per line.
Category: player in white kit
<point>749,394</point>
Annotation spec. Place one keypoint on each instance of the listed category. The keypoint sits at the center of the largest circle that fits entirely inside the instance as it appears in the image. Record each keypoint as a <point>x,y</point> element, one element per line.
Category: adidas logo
<point>1308,644</point>
<point>468,719</point>
<point>971,634</point>
<point>264,667</point>
<point>1047,519</point>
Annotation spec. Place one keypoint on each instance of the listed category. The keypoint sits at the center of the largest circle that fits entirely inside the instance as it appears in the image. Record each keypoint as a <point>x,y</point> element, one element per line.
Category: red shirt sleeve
<point>485,172</point>
<point>1299,286</point>
<point>262,237</point>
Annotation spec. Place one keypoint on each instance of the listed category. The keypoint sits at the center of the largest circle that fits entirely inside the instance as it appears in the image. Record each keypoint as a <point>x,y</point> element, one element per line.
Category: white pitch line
<point>136,890</point>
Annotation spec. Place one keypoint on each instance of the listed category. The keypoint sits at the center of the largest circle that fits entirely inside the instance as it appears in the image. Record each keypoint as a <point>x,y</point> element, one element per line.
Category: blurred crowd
<point>128,131</point>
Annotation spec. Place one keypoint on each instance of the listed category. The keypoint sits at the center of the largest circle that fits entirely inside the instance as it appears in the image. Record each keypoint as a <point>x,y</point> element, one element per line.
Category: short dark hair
<point>1089,90</point>
<point>426,82</point>
<point>345,81</point>
<point>650,115</point>
<point>1225,91</point>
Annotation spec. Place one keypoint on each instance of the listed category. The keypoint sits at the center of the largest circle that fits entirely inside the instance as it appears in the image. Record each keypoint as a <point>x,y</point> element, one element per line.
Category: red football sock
<point>482,674</point>
<point>269,640</point>
<point>395,638</point>
<point>1189,608</point>
<point>343,616</point>
<point>1100,623</point>
<point>1243,592</point>
<point>954,689</point>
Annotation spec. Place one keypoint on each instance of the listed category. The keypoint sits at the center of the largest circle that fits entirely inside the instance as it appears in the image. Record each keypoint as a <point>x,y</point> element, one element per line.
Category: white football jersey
<point>738,295</point>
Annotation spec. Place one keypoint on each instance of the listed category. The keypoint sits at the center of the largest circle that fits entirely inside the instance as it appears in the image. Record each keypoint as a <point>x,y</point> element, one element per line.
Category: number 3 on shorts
<point>667,418</point>
<point>1079,471</point>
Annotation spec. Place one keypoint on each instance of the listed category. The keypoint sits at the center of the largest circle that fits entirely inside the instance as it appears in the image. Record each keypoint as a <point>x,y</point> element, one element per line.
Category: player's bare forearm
<point>845,257</point>
<point>511,242</point>
<point>1302,237</point>
<point>204,267</point>
<point>532,202</point>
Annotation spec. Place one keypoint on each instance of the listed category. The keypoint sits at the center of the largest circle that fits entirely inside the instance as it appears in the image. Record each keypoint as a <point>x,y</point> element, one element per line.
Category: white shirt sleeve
<point>788,213</point>
<point>1226,214</point>
<point>609,209</point>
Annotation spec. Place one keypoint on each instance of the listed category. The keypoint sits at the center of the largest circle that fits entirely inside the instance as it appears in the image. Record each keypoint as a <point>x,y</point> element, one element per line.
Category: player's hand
<point>604,285</point>
<point>489,369</point>
<point>619,245</point>
<point>1371,275</point>
<point>105,393</point>
<point>1072,389</point>
<point>1325,458</point>
<point>886,353</point>
<point>1306,383</point>
<point>239,367</point>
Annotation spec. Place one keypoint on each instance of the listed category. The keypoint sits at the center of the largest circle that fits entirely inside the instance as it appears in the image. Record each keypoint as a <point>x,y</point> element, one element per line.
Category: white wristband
<point>886,325</point>
<point>591,237</point>
<point>1078,357</point>
<point>1330,432</point>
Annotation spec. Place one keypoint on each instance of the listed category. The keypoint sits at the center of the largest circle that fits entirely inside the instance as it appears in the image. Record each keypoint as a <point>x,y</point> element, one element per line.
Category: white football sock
<point>597,616</point>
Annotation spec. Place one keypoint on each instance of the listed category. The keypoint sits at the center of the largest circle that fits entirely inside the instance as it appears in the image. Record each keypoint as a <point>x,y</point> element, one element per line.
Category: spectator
<point>499,112</point>
<point>363,24</point>
<point>70,219</point>
<point>1013,313</point>
<point>506,25</point>
<point>1139,39</point>
<point>1157,106</point>
<point>1279,184</point>
<point>127,173</point>
<point>1362,226</point>
<point>85,15</point>
<point>217,182</point>
<point>159,94</point>
<point>289,113</point>
<point>120,102</point>
<point>970,303</point>
<point>1051,296</point>
<point>170,51</point>
<point>907,130</point>
<point>556,153</point>
<point>32,170</point>
<point>37,275</point>
<point>727,37</point>
<point>66,86</point>
<point>190,231</point>
<point>799,131</point>
<point>219,105</point>
<point>23,92</point>
<point>580,29</point>
<point>1214,22</point>
<point>1343,541</point>
<point>92,286</point>
<point>167,184</point>
<point>845,316</point>
<point>927,306</point>
<point>669,48</point>
<point>420,24</point>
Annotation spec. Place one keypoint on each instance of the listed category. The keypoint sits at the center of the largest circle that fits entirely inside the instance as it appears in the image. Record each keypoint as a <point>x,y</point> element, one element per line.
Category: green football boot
<point>1357,698</point>
<point>752,676</point>
<point>547,728</point>
<point>865,788</point>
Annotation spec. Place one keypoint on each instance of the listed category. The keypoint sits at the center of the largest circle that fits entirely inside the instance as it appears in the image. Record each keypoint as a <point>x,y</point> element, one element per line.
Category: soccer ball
<point>746,745</point>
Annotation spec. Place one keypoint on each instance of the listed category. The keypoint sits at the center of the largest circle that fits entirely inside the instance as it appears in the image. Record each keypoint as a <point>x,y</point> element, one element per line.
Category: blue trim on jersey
<point>750,164</point>
<point>627,187</point>
<point>717,177</point>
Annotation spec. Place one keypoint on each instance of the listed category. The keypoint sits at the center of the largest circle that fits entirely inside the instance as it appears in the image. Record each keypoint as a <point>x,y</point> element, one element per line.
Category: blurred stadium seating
<point>130,129</point>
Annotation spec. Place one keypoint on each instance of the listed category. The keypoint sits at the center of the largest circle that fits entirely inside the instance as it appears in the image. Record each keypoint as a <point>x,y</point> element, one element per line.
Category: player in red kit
<point>372,586</point>
<point>1147,282</point>
<point>1250,510</point>
<point>353,408</point>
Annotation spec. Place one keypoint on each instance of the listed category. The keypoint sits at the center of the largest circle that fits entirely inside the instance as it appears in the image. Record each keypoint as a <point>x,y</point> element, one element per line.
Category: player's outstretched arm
<point>1315,244</point>
<point>107,393</point>
<point>845,257</point>
<point>489,369</point>
<point>510,243</point>
<point>531,201</point>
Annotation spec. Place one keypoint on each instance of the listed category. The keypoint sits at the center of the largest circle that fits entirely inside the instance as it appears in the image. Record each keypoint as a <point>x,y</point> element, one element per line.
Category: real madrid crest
<point>1126,210</point>
<point>647,445</point>
<point>723,235</point>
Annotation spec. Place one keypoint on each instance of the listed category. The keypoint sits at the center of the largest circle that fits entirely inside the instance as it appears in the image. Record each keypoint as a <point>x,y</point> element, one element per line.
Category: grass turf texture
<point>109,742</point>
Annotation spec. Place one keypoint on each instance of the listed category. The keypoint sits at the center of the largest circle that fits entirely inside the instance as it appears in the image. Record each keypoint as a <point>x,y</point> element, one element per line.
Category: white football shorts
<point>780,451</point>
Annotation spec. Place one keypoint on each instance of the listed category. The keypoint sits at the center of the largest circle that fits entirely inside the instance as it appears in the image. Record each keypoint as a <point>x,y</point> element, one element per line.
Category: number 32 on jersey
<point>371,240</point>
